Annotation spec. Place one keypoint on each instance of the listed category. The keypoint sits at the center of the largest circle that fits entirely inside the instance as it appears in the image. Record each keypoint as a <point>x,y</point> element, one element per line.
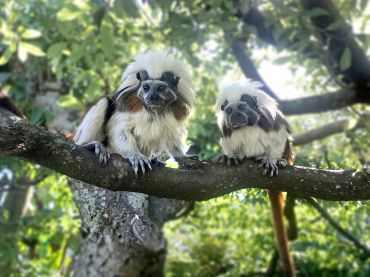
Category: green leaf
<point>126,6</point>
<point>66,14</point>
<point>3,77</point>
<point>345,59</point>
<point>7,55</point>
<point>69,102</point>
<point>22,54</point>
<point>282,60</point>
<point>335,25</point>
<point>31,33</point>
<point>317,12</point>
<point>32,49</point>
<point>107,40</point>
<point>56,49</point>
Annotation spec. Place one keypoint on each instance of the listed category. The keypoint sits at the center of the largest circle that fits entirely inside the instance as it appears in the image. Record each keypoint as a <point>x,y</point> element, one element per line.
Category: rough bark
<point>207,180</point>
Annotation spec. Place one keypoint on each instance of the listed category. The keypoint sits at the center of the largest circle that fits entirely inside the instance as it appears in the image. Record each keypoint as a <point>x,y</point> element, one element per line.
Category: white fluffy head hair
<point>156,63</point>
<point>232,93</point>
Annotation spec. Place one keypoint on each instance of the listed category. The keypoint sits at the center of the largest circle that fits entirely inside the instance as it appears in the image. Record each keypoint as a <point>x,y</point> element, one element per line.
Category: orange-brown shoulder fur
<point>180,110</point>
<point>133,104</point>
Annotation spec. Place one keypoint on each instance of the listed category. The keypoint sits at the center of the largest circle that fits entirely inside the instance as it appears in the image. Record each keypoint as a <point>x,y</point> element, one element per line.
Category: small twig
<point>340,229</point>
<point>273,264</point>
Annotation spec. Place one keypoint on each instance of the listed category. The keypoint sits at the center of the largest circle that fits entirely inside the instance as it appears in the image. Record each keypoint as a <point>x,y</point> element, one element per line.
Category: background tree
<point>58,57</point>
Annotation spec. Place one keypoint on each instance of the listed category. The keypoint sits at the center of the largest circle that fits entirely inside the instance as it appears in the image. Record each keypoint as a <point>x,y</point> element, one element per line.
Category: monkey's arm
<point>91,127</point>
<point>90,133</point>
<point>273,158</point>
<point>123,142</point>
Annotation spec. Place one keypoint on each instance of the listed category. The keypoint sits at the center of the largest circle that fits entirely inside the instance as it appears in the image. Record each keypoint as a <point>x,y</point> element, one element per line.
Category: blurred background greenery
<point>57,57</point>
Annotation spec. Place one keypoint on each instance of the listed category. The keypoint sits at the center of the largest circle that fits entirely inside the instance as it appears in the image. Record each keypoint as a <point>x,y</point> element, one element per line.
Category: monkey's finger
<point>135,166</point>
<point>148,164</point>
<point>265,170</point>
<point>228,162</point>
<point>142,166</point>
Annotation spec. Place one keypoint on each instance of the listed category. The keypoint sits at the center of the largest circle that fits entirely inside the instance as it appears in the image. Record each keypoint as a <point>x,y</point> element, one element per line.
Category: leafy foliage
<point>84,45</point>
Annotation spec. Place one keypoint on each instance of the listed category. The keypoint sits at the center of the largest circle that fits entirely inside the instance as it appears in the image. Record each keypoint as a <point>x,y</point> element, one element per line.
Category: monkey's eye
<point>229,110</point>
<point>146,87</point>
<point>161,88</point>
<point>242,107</point>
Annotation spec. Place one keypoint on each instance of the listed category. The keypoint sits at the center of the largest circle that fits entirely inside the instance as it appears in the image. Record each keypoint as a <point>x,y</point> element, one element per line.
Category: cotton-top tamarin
<point>146,114</point>
<point>252,126</point>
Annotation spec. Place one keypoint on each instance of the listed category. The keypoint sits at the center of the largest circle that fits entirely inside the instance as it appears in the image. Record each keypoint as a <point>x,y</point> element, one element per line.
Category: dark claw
<point>230,161</point>
<point>188,162</point>
<point>141,162</point>
<point>99,150</point>
<point>157,162</point>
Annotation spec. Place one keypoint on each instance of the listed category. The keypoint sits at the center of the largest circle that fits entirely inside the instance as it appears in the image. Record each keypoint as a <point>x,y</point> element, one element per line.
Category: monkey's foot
<point>99,150</point>
<point>140,161</point>
<point>271,165</point>
<point>188,161</point>
<point>157,162</point>
<point>230,161</point>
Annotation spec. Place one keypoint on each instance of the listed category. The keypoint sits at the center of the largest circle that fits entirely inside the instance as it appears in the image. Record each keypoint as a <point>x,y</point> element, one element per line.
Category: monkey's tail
<point>277,205</point>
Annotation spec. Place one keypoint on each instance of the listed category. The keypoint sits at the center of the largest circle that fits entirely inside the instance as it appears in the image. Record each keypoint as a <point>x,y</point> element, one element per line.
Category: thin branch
<point>247,66</point>
<point>329,129</point>
<point>336,40</point>
<point>21,139</point>
<point>319,103</point>
<point>340,229</point>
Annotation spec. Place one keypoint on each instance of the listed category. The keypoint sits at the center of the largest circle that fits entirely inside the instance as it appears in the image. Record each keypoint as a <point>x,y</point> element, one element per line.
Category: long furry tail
<point>277,205</point>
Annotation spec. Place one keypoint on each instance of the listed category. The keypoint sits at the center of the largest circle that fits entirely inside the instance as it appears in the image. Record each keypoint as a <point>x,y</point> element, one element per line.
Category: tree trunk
<point>121,232</point>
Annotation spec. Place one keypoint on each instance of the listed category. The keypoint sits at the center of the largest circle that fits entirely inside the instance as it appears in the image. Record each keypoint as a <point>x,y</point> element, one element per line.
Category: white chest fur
<point>149,134</point>
<point>254,141</point>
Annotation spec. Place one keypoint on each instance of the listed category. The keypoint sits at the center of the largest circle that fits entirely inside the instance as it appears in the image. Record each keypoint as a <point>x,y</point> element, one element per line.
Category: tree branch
<point>23,140</point>
<point>340,229</point>
<point>248,67</point>
<point>319,103</point>
<point>328,130</point>
<point>336,38</point>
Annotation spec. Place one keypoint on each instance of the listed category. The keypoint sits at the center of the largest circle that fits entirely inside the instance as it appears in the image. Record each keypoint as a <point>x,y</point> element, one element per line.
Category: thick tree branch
<point>319,103</point>
<point>23,140</point>
<point>328,130</point>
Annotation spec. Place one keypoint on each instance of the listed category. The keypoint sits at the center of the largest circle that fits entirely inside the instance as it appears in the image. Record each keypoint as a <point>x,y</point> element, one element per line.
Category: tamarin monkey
<point>146,114</point>
<point>252,126</point>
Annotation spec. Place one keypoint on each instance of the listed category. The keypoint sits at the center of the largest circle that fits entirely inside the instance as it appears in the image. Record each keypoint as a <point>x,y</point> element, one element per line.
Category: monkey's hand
<point>99,150</point>
<point>139,160</point>
<point>271,165</point>
<point>230,161</point>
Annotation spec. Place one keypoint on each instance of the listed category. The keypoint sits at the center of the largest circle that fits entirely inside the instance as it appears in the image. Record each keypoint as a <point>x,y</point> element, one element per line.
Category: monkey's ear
<point>142,75</point>
<point>224,105</point>
<point>250,99</point>
<point>176,80</point>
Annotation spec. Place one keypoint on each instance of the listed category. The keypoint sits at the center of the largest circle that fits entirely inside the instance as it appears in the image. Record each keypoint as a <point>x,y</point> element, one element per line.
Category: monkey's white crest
<point>156,63</point>
<point>234,91</point>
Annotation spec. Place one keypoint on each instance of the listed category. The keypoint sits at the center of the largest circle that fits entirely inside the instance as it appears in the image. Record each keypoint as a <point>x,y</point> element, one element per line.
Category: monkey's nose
<point>154,97</point>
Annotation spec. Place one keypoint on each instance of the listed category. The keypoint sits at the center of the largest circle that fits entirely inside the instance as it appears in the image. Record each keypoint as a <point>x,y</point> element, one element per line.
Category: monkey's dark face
<point>157,93</point>
<point>242,113</point>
